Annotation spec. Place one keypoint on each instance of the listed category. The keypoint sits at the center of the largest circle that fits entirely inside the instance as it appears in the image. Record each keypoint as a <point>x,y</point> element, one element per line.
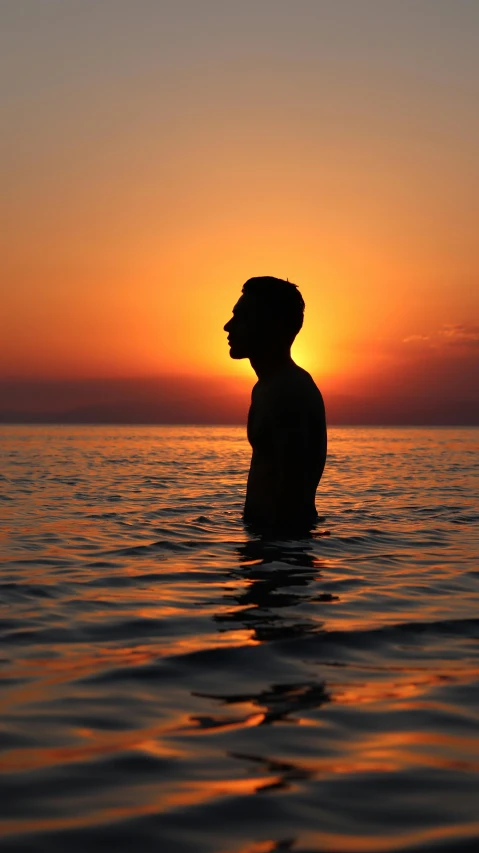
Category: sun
<point>306,355</point>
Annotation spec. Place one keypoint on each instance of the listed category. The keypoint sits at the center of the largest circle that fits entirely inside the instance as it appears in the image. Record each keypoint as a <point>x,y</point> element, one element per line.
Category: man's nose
<point>226,326</point>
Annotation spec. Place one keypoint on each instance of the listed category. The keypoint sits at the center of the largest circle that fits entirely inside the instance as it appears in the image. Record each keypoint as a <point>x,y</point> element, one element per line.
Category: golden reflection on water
<point>402,687</point>
<point>143,623</point>
<point>339,843</point>
<point>190,794</point>
<point>381,842</point>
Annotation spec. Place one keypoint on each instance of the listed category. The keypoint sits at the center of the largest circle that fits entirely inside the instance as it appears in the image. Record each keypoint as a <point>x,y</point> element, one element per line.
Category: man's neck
<point>269,364</point>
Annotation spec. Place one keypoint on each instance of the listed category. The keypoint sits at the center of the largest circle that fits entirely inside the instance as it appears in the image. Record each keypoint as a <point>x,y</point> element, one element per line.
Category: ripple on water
<point>168,682</point>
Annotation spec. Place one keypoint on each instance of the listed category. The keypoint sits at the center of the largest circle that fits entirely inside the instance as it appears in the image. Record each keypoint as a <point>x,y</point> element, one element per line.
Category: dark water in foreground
<point>170,684</point>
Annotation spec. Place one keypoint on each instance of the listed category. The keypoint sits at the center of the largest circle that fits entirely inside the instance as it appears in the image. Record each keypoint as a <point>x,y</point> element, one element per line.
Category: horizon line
<point>412,425</point>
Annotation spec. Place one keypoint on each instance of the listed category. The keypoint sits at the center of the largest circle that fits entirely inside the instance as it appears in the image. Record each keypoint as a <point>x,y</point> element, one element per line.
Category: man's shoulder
<point>297,384</point>
<point>294,388</point>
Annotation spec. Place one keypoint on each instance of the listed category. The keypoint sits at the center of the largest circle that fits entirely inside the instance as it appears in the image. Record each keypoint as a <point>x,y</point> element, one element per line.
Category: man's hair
<point>278,300</point>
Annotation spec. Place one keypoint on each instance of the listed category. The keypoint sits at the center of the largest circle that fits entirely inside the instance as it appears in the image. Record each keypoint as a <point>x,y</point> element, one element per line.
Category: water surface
<point>170,683</point>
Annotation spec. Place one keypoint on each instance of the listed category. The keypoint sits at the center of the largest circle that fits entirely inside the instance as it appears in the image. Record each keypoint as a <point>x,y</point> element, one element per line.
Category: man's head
<point>267,316</point>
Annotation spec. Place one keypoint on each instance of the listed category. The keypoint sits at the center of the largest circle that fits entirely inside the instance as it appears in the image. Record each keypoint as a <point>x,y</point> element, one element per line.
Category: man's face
<point>241,329</point>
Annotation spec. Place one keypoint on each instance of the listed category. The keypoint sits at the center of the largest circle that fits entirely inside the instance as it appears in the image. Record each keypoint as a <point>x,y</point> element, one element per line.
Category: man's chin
<point>237,354</point>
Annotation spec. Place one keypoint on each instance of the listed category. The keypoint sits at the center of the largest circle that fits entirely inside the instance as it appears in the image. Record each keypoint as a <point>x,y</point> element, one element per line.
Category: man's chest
<point>261,422</point>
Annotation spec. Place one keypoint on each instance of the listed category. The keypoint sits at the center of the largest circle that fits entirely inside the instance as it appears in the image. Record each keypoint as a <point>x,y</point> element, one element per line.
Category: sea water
<point>171,683</point>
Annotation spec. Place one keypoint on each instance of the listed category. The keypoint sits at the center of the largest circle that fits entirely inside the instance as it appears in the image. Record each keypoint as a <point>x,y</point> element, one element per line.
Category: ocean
<point>171,683</point>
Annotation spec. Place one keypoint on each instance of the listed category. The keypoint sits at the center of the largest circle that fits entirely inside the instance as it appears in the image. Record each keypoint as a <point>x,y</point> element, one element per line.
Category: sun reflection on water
<point>163,665</point>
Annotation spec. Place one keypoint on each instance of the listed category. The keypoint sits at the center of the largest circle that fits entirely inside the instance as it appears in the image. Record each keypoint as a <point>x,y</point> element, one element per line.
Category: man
<point>286,421</point>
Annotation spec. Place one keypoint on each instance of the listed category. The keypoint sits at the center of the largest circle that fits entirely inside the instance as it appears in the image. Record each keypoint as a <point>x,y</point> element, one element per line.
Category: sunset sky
<point>155,155</point>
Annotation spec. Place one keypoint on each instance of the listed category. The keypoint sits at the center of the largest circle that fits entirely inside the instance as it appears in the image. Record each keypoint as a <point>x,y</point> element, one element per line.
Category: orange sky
<point>157,155</point>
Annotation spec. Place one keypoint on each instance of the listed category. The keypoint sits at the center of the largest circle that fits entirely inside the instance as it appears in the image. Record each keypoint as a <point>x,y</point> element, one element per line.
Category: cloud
<point>460,334</point>
<point>416,339</point>
<point>465,335</point>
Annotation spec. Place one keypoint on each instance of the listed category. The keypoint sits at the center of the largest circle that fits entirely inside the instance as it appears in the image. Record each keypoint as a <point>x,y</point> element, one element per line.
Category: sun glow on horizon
<point>145,186</point>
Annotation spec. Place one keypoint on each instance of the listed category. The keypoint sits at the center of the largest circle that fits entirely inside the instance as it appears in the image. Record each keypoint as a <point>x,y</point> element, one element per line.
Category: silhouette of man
<point>286,421</point>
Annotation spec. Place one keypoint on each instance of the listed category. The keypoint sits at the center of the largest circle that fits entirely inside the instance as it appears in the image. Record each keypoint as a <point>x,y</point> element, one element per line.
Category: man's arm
<point>293,462</point>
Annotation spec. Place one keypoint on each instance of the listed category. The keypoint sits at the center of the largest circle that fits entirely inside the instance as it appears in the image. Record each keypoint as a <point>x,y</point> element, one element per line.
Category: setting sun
<point>155,183</point>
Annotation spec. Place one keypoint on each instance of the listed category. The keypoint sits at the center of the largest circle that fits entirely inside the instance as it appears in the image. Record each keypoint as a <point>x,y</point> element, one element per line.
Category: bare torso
<point>287,432</point>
